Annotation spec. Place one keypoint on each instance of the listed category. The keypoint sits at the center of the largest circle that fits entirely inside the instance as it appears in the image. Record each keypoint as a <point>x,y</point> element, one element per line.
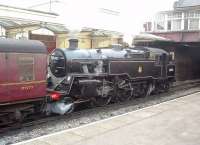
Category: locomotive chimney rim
<point>73,43</point>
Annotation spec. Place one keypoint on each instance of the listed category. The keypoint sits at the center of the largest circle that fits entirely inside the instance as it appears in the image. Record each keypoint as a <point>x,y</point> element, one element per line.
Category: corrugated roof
<point>186,3</point>
<point>56,28</point>
<point>102,32</point>
<point>10,23</point>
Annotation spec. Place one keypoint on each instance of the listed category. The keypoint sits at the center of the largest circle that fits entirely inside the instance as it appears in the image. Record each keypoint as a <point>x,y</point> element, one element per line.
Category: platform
<point>176,122</point>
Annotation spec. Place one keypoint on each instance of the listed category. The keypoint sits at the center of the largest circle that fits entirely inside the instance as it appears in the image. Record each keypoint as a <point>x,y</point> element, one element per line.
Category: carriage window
<point>26,68</point>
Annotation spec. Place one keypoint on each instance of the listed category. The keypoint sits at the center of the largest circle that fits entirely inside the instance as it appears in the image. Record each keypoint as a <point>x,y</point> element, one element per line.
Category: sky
<point>128,18</point>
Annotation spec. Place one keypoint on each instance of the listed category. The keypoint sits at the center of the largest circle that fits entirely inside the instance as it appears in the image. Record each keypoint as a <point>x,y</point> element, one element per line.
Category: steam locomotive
<point>98,76</point>
<point>111,74</point>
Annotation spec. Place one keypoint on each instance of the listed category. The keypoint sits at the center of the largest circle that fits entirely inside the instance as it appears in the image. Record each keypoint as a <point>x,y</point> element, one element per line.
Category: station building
<point>21,23</point>
<point>182,26</point>
<point>92,38</point>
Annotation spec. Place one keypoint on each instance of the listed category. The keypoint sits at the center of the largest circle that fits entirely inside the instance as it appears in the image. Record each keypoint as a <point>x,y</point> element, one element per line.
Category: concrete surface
<point>175,122</point>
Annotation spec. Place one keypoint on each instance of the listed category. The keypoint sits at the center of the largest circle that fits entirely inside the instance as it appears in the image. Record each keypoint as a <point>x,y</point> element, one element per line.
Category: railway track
<point>138,102</point>
<point>173,89</point>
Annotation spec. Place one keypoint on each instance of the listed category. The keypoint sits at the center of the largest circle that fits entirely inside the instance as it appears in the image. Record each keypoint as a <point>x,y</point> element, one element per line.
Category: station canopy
<point>145,37</point>
<point>13,23</point>
<point>101,32</point>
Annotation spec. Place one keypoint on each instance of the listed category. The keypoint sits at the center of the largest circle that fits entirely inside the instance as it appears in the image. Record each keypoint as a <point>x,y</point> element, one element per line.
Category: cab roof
<point>22,46</point>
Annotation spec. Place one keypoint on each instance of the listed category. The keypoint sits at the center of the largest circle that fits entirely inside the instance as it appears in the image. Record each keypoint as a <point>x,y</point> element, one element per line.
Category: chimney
<point>73,43</point>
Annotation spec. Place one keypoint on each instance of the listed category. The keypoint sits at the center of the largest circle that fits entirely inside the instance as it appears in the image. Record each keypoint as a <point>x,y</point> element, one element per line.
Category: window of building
<point>176,25</point>
<point>2,32</point>
<point>169,25</point>
<point>186,15</point>
<point>186,24</point>
<point>43,31</point>
<point>160,25</point>
<point>194,24</point>
<point>160,17</point>
<point>192,14</point>
<point>22,35</point>
<point>197,14</point>
<point>26,68</point>
<point>176,15</point>
<point>160,22</point>
<point>147,26</point>
<point>174,21</point>
<point>170,15</point>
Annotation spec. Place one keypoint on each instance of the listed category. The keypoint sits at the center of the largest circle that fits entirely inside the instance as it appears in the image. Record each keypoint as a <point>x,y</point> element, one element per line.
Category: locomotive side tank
<point>116,73</point>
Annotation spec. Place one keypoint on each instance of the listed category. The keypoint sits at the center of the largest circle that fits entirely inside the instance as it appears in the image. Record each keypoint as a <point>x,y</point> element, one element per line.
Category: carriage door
<point>21,75</point>
<point>164,65</point>
<point>4,97</point>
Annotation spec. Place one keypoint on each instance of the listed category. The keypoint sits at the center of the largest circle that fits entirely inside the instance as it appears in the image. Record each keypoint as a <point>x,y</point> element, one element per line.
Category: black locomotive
<point>110,74</point>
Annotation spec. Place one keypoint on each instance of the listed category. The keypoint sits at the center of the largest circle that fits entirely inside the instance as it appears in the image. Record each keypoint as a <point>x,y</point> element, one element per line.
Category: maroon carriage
<point>23,66</point>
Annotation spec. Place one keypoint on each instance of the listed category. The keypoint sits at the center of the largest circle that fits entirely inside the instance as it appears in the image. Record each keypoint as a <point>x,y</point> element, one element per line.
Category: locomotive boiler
<point>110,74</point>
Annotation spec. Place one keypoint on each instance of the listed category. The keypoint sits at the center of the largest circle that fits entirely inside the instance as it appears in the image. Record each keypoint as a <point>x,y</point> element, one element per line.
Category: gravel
<point>91,115</point>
